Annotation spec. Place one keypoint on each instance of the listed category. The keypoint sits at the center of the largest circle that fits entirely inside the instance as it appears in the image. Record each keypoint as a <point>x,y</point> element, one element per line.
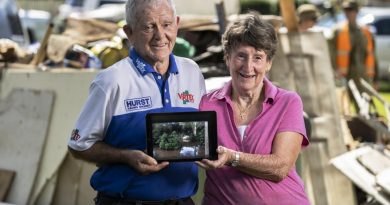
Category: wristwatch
<point>236,160</point>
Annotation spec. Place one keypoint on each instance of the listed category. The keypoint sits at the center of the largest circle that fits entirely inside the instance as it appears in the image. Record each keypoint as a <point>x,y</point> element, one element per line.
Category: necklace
<point>242,110</point>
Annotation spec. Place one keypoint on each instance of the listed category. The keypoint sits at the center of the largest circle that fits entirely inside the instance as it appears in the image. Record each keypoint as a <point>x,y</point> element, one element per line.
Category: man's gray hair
<point>132,6</point>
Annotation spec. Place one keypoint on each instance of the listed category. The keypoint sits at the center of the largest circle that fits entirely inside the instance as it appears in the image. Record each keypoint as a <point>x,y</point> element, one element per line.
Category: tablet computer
<point>182,136</point>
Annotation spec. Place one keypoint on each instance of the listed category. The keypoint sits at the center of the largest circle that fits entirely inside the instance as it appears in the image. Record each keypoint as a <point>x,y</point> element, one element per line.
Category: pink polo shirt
<point>282,111</point>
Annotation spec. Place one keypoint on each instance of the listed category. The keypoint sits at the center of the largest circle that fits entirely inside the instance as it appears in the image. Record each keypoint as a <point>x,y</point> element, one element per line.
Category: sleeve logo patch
<point>75,135</point>
<point>186,97</point>
<point>138,103</point>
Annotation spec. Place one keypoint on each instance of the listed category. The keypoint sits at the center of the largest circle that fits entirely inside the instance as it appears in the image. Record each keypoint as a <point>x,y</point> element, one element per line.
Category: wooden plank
<point>347,163</point>
<point>323,183</point>
<point>6,179</point>
<point>24,121</point>
<point>288,13</point>
<point>383,180</point>
<point>302,64</point>
<point>314,159</point>
<point>371,91</point>
<point>65,111</point>
<point>220,10</point>
<point>361,101</point>
<point>41,54</point>
<point>374,161</point>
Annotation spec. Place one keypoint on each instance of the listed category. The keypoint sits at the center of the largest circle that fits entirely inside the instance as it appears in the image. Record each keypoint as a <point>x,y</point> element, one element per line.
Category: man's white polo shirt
<point>119,99</point>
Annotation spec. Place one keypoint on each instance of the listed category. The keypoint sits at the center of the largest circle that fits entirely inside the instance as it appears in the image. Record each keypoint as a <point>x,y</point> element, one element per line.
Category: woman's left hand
<point>224,157</point>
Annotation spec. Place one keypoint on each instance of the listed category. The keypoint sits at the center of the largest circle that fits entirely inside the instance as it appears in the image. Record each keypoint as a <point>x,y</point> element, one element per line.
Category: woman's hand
<point>225,156</point>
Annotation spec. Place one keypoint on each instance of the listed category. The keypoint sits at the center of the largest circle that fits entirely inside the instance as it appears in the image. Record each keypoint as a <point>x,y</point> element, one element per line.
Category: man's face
<point>351,15</point>
<point>155,31</point>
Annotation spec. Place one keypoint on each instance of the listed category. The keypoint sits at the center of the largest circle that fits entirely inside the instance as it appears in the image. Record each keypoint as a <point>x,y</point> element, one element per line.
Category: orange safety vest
<point>344,50</point>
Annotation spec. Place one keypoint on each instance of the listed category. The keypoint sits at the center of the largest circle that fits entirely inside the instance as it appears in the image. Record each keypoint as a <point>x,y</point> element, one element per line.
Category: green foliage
<point>170,142</point>
<point>183,48</point>
<point>160,129</point>
<point>263,6</point>
<point>163,140</point>
<point>380,107</point>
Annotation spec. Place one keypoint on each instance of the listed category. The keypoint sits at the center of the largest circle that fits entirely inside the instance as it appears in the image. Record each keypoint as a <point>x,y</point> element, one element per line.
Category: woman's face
<point>247,67</point>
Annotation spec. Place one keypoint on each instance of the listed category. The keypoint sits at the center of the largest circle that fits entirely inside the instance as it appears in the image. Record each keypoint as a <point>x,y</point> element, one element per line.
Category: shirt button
<point>159,77</point>
<point>166,101</point>
<point>165,90</point>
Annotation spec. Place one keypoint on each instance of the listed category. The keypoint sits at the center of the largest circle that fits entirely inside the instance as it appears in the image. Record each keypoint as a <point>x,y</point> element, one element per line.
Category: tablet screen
<point>182,136</point>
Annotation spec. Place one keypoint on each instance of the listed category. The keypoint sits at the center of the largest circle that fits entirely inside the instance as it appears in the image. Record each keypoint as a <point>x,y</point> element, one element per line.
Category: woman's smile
<point>246,75</point>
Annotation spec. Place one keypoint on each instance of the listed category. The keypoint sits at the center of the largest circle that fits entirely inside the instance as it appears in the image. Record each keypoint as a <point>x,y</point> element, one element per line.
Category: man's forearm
<point>101,153</point>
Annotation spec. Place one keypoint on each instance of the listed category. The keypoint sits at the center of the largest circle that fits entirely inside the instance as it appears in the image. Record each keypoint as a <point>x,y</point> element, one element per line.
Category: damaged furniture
<point>369,169</point>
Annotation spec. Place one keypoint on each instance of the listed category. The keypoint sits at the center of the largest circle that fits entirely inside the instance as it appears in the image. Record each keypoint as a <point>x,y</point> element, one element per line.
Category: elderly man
<point>111,129</point>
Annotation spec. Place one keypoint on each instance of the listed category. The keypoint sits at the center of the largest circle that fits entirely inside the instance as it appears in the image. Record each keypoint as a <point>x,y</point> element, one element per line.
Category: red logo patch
<point>186,97</point>
<point>75,135</point>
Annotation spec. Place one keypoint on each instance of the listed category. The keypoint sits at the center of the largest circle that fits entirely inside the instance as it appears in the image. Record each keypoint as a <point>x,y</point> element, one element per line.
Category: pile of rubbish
<point>95,39</point>
<point>72,39</point>
<point>79,39</point>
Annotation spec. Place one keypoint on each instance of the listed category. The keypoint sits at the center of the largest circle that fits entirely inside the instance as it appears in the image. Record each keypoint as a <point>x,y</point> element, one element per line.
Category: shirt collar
<point>144,68</point>
<point>270,91</point>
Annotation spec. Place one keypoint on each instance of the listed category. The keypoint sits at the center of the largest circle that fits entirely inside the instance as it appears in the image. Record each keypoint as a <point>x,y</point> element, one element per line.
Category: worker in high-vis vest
<point>355,54</point>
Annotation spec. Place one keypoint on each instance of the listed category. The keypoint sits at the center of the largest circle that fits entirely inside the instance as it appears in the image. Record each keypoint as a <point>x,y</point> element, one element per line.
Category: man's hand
<point>143,163</point>
<point>102,153</point>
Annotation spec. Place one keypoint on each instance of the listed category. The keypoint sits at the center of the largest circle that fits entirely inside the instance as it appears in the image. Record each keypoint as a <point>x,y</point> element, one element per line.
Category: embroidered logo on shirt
<point>75,135</point>
<point>138,103</point>
<point>186,97</point>
<point>140,65</point>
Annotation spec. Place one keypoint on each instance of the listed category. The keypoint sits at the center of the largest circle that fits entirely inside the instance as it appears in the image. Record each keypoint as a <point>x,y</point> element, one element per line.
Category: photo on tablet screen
<point>181,136</point>
<point>179,140</point>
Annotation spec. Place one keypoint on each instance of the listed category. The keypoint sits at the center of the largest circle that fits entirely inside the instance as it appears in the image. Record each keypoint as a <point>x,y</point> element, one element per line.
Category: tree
<point>170,142</point>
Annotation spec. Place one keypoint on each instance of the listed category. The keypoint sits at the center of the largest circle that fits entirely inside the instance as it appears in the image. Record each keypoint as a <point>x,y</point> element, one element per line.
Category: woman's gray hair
<point>132,7</point>
<point>253,31</point>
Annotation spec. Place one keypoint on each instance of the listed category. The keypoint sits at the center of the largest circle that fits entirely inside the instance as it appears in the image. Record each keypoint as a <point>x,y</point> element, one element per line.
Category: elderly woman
<point>260,127</point>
